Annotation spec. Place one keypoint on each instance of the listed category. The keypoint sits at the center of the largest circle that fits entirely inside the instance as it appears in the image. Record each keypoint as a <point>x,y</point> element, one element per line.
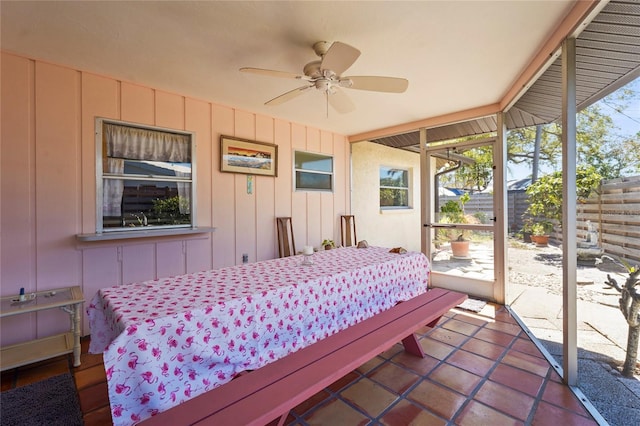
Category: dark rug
<point>473,305</point>
<point>49,402</point>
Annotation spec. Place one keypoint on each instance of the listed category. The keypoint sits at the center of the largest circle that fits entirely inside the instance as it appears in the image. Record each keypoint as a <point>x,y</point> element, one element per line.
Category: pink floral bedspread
<point>168,340</point>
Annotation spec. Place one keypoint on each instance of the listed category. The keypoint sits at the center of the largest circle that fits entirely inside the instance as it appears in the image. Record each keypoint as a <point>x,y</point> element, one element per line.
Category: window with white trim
<point>313,172</point>
<point>145,177</point>
<point>394,187</point>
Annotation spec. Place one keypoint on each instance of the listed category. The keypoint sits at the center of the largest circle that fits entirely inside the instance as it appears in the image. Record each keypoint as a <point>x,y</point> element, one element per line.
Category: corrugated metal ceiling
<point>607,58</point>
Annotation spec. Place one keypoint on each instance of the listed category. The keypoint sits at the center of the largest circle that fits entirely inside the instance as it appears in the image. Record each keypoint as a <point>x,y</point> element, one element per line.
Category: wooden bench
<point>267,393</point>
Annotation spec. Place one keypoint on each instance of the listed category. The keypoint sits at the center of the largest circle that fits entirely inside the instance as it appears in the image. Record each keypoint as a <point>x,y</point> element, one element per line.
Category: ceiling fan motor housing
<point>312,69</point>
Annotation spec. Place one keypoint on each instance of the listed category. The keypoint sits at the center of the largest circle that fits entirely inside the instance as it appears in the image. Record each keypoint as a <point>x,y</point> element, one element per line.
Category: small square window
<point>145,177</point>
<point>394,187</point>
<point>313,172</point>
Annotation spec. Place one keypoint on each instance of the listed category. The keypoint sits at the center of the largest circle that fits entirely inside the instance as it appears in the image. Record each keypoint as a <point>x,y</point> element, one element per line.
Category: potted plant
<point>328,244</point>
<point>527,230</point>
<point>453,212</point>
<point>540,233</point>
<point>460,247</point>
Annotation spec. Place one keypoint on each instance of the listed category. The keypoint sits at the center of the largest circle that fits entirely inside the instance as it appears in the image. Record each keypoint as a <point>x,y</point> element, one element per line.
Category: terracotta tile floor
<point>479,370</point>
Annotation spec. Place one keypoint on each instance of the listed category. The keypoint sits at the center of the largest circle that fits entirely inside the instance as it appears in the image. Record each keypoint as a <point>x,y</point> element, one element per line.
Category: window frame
<point>408,188</point>
<point>100,175</point>
<point>296,170</point>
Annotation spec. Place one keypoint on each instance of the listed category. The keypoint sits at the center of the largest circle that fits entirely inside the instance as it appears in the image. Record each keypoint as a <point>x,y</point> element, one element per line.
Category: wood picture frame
<point>248,157</point>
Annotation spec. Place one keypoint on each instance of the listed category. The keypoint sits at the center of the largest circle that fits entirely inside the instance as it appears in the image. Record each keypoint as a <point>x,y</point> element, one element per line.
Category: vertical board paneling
<point>137,104</point>
<point>314,219</point>
<point>314,211</point>
<point>100,269</point>
<point>198,120</point>
<point>299,198</point>
<point>99,99</point>
<point>170,255</point>
<point>57,186</point>
<point>16,175</point>
<point>283,182</point>
<point>17,144</point>
<point>342,189</point>
<point>222,194</point>
<point>199,254</point>
<point>170,259</point>
<point>138,263</point>
<point>245,204</point>
<point>265,203</point>
<point>47,182</point>
<point>169,110</point>
<point>328,218</point>
<point>313,139</point>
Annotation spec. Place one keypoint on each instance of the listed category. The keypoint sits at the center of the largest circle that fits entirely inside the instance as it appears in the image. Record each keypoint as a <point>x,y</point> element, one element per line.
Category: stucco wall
<point>47,187</point>
<point>386,228</point>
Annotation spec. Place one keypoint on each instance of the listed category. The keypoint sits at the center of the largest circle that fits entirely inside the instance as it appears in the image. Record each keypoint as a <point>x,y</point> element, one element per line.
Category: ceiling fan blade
<point>273,73</point>
<point>376,84</point>
<point>288,95</point>
<point>339,57</point>
<point>340,101</point>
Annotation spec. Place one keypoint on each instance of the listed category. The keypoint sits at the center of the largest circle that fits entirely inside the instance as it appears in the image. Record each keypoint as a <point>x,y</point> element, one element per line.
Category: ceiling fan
<point>326,75</point>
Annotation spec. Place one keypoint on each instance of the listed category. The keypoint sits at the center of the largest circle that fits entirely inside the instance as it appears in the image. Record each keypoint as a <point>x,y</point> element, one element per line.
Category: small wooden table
<point>69,300</point>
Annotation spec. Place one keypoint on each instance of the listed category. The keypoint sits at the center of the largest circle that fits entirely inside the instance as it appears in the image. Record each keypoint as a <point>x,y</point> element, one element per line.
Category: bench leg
<point>411,343</point>
<point>412,346</point>
<point>433,323</point>
<point>283,419</point>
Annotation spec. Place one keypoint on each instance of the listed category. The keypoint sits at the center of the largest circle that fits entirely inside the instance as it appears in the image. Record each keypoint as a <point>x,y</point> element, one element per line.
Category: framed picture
<point>249,157</point>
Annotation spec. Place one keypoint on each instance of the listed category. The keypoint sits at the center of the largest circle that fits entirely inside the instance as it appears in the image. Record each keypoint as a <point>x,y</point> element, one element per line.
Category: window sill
<point>126,235</point>
<point>404,210</point>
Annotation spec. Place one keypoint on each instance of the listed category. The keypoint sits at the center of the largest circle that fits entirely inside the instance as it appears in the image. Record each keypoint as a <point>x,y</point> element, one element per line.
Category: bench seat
<point>267,393</point>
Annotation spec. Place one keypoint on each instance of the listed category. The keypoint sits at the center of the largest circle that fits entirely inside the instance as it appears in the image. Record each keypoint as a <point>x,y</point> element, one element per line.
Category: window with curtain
<point>145,177</point>
<point>313,172</point>
<point>394,187</point>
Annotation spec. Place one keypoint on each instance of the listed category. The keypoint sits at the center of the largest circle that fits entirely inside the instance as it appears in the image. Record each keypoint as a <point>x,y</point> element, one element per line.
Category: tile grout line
<point>485,378</point>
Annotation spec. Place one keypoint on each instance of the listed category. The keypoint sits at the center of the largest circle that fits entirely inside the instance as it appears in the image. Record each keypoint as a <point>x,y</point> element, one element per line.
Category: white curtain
<point>142,144</point>
<point>112,189</point>
<point>184,194</point>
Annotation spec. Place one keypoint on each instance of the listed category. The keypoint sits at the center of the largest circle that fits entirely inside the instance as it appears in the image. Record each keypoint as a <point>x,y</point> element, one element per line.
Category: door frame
<point>484,289</point>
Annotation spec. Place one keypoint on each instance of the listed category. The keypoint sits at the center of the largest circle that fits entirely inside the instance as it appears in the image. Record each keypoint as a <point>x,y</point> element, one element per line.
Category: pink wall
<point>47,187</point>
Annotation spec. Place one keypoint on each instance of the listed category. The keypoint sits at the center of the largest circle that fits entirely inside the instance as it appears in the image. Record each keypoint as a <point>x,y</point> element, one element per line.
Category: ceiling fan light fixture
<point>345,82</point>
<point>323,85</point>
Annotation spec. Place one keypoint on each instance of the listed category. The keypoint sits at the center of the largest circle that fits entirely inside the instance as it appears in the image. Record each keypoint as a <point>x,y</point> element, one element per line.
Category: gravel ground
<point>616,398</point>
<point>542,267</point>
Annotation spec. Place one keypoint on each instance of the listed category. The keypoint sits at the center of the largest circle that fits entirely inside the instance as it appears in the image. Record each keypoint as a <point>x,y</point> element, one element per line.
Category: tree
<point>545,194</point>
<point>602,147</point>
<point>521,145</point>
<point>629,304</point>
<point>599,141</point>
<point>475,176</point>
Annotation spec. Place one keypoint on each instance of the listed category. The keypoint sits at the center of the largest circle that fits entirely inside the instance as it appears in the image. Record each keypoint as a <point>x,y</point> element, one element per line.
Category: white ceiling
<point>456,54</point>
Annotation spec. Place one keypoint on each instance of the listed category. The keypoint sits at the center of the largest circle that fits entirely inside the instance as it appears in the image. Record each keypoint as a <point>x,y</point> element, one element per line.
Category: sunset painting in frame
<point>249,157</point>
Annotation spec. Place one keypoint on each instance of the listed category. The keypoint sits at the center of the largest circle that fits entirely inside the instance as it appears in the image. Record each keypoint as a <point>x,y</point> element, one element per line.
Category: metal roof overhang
<point>607,58</point>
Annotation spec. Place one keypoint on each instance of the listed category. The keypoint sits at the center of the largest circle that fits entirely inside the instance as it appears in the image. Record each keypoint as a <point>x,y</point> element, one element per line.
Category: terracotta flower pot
<point>460,249</point>
<point>540,240</point>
